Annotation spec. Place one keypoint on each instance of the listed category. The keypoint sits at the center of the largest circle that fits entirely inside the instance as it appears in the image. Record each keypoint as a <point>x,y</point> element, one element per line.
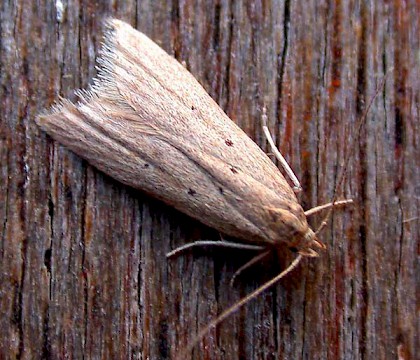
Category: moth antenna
<point>348,156</point>
<point>238,305</point>
<point>296,184</point>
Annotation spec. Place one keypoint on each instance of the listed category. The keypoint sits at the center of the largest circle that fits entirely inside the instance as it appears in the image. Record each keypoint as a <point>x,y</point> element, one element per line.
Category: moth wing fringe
<point>102,85</point>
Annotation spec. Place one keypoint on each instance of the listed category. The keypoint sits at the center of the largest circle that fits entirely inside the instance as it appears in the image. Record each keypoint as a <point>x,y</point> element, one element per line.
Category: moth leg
<point>222,243</point>
<point>319,208</point>
<point>251,262</point>
<point>296,184</point>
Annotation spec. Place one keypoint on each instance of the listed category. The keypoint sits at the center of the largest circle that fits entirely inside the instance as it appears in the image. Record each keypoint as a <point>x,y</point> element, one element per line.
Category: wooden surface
<point>83,272</point>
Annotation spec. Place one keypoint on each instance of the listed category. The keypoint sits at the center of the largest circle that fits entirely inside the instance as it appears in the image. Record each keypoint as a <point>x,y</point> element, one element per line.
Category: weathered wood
<point>83,271</point>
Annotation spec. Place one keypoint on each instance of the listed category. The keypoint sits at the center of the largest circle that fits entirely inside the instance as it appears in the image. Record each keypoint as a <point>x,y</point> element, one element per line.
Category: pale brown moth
<point>147,122</point>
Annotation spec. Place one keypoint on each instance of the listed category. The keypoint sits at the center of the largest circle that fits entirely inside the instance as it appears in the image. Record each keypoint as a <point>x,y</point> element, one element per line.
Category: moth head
<point>290,226</point>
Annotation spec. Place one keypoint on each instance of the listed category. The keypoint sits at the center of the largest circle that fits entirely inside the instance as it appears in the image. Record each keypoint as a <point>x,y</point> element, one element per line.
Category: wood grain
<point>83,272</point>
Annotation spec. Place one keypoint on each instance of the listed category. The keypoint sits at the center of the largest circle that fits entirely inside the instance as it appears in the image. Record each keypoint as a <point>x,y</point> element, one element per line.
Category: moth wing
<point>147,122</point>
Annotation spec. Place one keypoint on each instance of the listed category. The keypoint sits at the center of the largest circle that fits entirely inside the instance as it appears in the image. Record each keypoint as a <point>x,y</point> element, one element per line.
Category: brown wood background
<point>83,272</point>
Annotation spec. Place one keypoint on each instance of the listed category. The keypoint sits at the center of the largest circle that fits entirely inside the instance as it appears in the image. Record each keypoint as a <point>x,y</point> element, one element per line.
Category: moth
<point>147,122</point>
